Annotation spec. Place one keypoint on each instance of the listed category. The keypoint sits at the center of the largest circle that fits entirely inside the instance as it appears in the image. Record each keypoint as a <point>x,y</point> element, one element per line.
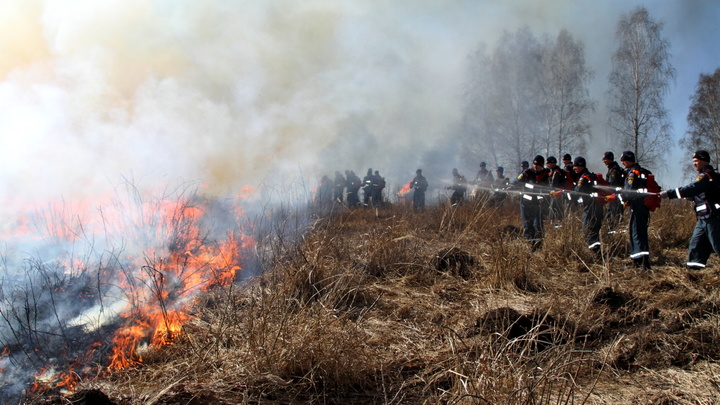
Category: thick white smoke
<point>233,93</point>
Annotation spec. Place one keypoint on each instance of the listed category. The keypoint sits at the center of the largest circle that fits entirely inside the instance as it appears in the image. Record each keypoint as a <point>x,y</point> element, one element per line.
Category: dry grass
<point>445,306</point>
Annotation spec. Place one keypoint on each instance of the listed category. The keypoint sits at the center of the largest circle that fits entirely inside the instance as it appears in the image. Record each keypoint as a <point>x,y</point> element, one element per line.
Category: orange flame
<point>404,190</point>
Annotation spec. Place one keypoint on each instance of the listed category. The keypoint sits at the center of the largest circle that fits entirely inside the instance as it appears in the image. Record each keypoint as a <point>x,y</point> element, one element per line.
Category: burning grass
<point>448,305</point>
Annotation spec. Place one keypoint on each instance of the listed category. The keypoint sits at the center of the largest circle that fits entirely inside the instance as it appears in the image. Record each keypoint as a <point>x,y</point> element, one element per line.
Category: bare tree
<point>704,117</point>
<point>565,97</point>
<point>640,78</point>
<point>502,114</point>
<point>477,140</point>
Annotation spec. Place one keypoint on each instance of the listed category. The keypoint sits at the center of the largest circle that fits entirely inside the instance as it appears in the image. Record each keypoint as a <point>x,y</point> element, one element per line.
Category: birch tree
<point>640,79</point>
<point>704,117</point>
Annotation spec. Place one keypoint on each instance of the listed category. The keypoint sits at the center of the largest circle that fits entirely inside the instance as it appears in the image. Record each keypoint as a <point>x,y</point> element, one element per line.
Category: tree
<point>501,117</point>
<point>565,101</point>
<point>704,117</point>
<point>640,78</point>
<point>527,96</point>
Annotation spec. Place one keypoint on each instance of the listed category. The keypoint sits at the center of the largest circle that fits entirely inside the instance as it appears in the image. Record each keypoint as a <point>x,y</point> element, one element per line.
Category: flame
<point>170,250</point>
<point>404,190</point>
<point>170,280</point>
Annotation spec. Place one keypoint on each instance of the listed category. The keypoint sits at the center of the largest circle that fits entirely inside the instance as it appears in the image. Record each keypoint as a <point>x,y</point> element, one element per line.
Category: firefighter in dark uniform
<point>378,187</point>
<point>586,194</point>
<point>705,192</point>
<point>569,171</point>
<point>459,187</point>
<point>531,202</point>
<point>339,187</point>
<point>368,187</point>
<point>353,188</point>
<point>615,175</point>
<point>631,196</point>
<point>484,177</point>
<point>556,181</point>
<point>500,184</point>
<point>420,185</point>
<point>501,181</point>
<point>524,165</point>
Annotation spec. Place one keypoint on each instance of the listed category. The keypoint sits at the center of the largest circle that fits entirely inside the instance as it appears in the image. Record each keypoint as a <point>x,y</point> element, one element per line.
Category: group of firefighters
<point>548,190</point>
<point>332,191</point>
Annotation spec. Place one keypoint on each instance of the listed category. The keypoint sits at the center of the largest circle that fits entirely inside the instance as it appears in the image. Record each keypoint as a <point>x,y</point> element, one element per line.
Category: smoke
<point>234,94</point>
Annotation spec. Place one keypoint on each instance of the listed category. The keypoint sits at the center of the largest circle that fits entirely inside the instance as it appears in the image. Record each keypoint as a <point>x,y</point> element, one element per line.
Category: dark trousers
<point>613,213</point>
<point>418,199</point>
<point>592,222</point>
<point>353,199</point>
<point>532,219</point>
<point>639,221</point>
<point>705,239</point>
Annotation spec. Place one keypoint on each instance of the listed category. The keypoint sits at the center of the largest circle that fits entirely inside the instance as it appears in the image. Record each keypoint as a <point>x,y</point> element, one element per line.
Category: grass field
<point>446,306</point>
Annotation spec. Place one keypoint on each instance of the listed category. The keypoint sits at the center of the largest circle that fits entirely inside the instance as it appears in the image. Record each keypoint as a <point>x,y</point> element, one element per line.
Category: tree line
<point>529,95</point>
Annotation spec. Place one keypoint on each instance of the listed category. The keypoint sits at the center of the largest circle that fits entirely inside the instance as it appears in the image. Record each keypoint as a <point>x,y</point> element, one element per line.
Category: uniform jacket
<point>419,183</point>
<point>530,178</point>
<point>585,192</point>
<point>615,175</point>
<point>635,180</point>
<point>556,178</point>
<point>704,191</point>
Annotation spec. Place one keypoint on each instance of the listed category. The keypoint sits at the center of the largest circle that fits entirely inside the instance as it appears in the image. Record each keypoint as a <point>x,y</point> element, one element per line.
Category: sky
<point>274,94</point>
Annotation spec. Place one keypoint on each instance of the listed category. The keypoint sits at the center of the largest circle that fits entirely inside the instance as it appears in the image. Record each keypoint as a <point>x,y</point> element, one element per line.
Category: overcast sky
<point>247,93</point>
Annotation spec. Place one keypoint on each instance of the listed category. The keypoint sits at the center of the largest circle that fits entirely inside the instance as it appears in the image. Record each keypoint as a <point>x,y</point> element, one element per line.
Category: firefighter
<point>353,188</point>
<point>586,194</point>
<point>378,187</point>
<point>484,177</point>
<point>616,177</point>
<point>705,191</point>
<point>556,181</point>
<point>633,197</point>
<point>324,194</point>
<point>524,165</point>
<point>420,185</point>
<point>339,185</point>
<point>532,202</point>
<point>367,186</point>
<point>501,183</point>
<point>458,187</point>
<point>570,174</point>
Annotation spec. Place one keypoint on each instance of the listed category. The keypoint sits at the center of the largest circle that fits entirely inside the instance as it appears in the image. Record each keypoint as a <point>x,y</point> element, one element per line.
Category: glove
<point>664,194</point>
<point>611,197</point>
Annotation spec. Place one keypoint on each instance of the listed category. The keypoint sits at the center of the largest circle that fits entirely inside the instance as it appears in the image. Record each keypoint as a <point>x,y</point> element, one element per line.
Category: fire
<point>148,260</point>
<point>404,190</point>
<point>169,280</point>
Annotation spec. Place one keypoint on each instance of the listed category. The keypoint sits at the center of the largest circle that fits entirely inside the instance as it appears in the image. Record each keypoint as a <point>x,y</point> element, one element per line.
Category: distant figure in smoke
<point>324,192</point>
<point>531,203</point>
<point>353,188</point>
<point>368,187</point>
<point>420,185</point>
<point>458,187</point>
<point>484,177</point>
<point>501,183</point>
<point>378,187</point>
<point>339,187</point>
